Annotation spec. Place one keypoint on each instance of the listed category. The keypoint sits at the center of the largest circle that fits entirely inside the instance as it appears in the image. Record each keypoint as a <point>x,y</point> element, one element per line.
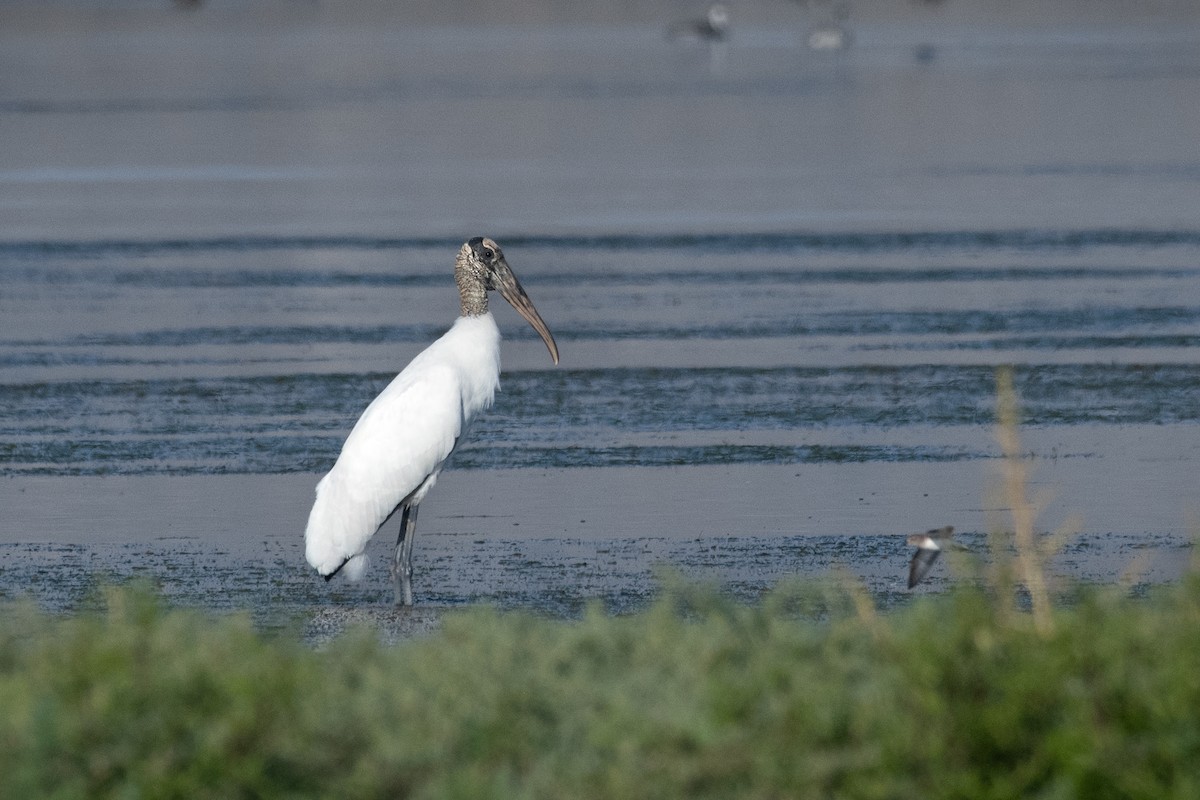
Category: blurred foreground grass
<point>808,694</point>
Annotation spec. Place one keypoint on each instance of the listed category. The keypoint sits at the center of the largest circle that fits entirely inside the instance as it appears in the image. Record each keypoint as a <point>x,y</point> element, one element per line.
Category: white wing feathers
<point>393,454</point>
<point>401,441</point>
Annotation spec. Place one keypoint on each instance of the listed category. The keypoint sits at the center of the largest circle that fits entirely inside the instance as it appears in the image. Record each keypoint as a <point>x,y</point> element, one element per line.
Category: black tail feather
<point>329,577</point>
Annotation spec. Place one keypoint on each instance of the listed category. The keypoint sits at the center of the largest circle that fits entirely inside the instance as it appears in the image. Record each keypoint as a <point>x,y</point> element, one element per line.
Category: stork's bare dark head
<point>480,268</point>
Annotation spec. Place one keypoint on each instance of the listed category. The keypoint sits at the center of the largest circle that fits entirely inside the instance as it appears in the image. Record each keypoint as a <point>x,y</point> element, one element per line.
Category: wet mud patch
<point>557,577</point>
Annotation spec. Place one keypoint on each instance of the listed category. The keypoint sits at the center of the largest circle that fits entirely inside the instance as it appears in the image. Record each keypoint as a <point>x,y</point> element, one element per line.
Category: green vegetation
<point>694,697</point>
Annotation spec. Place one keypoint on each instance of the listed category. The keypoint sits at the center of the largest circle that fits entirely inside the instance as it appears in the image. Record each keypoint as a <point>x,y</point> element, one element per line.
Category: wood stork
<point>929,546</point>
<point>392,457</point>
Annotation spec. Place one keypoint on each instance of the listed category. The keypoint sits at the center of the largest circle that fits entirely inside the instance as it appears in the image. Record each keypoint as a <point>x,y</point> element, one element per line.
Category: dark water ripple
<point>945,323</point>
<point>31,272</point>
<point>1069,327</point>
<point>604,417</point>
<point>750,242</point>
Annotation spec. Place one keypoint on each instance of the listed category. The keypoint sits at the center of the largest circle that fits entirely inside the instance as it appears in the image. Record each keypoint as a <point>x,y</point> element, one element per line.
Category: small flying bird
<point>392,457</point>
<point>929,546</point>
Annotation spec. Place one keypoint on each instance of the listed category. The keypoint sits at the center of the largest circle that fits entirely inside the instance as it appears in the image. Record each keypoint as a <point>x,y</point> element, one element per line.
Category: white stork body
<point>392,457</point>
<point>387,461</point>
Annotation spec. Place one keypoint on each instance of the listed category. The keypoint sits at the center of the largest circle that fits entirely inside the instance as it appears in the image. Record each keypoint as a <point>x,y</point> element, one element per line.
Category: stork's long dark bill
<point>510,289</point>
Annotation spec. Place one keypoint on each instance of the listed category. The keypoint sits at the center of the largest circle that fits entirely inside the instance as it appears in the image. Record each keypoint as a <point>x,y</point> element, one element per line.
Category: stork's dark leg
<point>402,563</point>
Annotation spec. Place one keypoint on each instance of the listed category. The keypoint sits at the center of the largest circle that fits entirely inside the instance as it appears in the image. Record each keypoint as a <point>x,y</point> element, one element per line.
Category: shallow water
<point>781,282</point>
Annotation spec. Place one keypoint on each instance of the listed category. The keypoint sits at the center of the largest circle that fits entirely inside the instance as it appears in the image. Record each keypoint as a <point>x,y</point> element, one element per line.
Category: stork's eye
<point>488,253</point>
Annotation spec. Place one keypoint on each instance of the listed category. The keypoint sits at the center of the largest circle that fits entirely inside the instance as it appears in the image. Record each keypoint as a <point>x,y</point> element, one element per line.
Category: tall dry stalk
<point>1015,471</point>
<point>864,605</point>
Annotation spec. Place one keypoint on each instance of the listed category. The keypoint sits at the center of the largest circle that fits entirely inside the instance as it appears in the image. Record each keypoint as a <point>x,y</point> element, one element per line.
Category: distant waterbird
<point>925,53</point>
<point>713,26</point>
<point>929,546</point>
<point>833,34</point>
<point>393,455</point>
<point>829,38</point>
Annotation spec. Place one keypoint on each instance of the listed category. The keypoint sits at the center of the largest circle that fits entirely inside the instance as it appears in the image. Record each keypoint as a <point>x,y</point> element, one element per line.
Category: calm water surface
<point>781,282</point>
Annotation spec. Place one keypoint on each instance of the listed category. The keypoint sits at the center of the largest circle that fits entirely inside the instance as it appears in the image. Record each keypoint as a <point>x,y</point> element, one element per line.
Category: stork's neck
<point>472,288</point>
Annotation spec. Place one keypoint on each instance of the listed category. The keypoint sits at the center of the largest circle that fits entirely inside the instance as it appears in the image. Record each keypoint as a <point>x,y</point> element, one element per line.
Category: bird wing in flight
<point>922,562</point>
